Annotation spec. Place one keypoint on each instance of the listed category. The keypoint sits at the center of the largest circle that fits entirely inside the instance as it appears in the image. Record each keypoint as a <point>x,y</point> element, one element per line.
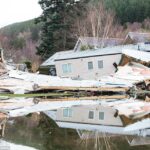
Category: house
<point>88,60</point>
<point>85,43</point>
<point>93,64</point>
<point>89,64</point>
<point>137,37</point>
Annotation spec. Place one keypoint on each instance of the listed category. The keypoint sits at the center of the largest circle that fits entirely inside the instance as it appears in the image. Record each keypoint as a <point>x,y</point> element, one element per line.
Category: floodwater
<point>39,132</point>
<point>27,129</point>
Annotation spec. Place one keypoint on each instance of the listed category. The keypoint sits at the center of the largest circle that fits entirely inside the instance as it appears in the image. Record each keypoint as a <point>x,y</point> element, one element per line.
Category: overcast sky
<point>12,11</point>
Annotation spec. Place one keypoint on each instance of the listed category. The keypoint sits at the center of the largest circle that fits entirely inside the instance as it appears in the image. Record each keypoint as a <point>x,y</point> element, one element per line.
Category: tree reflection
<point>42,133</point>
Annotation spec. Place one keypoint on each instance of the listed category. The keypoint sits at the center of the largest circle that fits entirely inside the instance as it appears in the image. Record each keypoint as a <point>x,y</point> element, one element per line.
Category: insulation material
<point>131,108</point>
<point>17,86</point>
<point>45,80</point>
<point>133,72</point>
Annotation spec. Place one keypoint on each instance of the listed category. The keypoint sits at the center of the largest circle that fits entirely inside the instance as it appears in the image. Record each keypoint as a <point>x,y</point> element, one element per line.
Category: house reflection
<point>100,118</point>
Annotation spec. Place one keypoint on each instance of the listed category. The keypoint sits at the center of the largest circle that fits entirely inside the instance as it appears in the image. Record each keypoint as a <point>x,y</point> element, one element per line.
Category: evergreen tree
<point>130,10</point>
<point>57,18</point>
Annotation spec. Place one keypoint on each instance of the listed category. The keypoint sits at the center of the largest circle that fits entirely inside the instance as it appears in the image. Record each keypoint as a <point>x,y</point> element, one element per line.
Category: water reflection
<point>77,124</point>
<point>122,117</point>
<point>41,132</point>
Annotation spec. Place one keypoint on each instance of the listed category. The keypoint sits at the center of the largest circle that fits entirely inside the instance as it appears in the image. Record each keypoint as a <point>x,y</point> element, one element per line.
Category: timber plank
<point>104,89</point>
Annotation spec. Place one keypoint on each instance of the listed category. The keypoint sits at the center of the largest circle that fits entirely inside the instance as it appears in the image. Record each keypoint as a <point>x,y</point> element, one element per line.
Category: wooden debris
<point>98,89</point>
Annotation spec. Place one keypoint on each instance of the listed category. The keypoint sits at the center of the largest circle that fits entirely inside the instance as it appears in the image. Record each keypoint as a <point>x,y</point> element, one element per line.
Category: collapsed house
<point>83,44</point>
<point>90,55</point>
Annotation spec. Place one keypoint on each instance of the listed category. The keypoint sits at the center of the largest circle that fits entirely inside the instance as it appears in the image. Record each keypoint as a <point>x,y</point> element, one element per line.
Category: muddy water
<point>37,131</point>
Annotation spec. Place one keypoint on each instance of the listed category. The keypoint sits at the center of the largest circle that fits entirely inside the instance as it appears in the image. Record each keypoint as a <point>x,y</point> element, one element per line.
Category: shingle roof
<point>139,36</point>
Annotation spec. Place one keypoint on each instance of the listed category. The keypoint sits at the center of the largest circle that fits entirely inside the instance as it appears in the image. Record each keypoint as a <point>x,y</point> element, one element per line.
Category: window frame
<point>69,112</point>
<point>102,117</point>
<point>92,114</point>
<point>90,67</point>
<point>67,68</point>
<point>100,64</point>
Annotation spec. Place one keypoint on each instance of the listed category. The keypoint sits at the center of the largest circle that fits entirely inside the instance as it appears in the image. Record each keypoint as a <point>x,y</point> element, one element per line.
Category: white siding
<point>80,67</point>
<point>80,114</point>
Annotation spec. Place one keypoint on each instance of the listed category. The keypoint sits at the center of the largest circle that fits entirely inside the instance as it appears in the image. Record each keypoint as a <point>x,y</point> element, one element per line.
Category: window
<point>67,112</point>
<point>90,65</point>
<point>91,114</point>
<point>66,68</point>
<point>101,115</point>
<point>100,64</point>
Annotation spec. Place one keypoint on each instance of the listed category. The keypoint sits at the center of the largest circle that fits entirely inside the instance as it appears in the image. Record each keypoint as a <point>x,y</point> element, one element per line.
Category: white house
<point>88,64</point>
<point>88,60</point>
<point>83,43</point>
<point>91,64</point>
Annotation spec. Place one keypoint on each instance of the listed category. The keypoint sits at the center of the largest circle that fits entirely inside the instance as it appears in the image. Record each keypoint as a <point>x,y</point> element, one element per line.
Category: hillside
<point>19,40</point>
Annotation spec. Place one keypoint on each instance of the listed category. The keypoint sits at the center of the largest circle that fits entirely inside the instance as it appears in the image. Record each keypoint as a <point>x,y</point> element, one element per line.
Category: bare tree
<point>98,22</point>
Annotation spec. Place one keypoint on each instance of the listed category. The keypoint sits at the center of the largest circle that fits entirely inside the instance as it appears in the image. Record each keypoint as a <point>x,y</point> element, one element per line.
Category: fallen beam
<point>96,89</point>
